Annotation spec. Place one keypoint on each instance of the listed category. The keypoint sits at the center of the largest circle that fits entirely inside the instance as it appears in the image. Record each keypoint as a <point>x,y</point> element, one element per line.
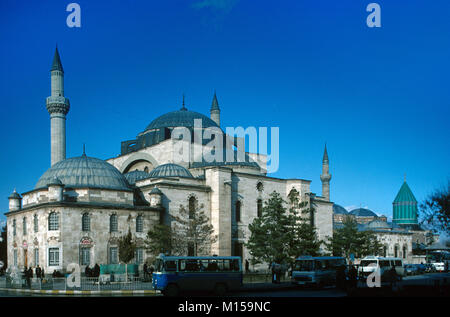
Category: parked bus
<point>318,271</point>
<point>175,274</point>
<point>370,264</point>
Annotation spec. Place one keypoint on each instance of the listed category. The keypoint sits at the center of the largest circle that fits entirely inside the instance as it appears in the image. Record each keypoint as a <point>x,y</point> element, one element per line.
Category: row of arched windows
<point>238,205</point>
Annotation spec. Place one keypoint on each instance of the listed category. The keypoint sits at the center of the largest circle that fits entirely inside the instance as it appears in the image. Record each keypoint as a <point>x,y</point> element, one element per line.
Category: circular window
<point>260,186</point>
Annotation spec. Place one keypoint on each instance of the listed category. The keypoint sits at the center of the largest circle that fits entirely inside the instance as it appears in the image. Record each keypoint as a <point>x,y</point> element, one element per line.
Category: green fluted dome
<point>404,206</point>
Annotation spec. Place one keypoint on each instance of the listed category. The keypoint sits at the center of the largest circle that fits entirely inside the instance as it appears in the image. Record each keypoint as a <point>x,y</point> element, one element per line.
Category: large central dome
<point>180,118</point>
<point>84,171</point>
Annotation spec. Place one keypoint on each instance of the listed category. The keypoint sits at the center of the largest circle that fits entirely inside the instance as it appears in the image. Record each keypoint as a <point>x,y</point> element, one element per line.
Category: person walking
<point>145,269</point>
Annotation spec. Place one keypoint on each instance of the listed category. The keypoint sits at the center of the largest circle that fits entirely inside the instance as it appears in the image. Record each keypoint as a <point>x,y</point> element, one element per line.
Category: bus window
<point>212,266</point>
<point>398,263</point>
<point>226,265</point>
<point>304,265</point>
<point>384,263</point>
<point>170,266</point>
<point>235,265</point>
<point>189,266</point>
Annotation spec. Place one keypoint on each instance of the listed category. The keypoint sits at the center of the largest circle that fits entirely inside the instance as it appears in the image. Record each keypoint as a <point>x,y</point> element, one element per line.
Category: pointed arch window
<point>139,223</point>
<point>85,222</point>
<point>192,204</point>
<point>238,211</point>
<point>53,221</point>
<point>24,227</point>
<point>113,225</point>
<point>36,223</point>
<point>14,227</point>
<point>259,205</point>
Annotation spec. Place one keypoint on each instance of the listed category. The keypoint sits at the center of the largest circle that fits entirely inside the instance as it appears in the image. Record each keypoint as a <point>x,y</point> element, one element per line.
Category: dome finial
<point>183,107</point>
<point>404,178</point>
<point>84,149</point>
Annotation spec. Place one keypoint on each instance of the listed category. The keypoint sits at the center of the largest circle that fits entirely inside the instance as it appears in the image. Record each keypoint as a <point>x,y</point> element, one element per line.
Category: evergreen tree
<point>192,231</point>
<point>159,239</point>
<point>348,240</point>
<point>127,248</point>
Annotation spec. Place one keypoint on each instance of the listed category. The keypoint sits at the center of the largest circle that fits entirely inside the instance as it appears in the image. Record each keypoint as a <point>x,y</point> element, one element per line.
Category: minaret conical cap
<point>57,65</point>
<point>325,154</point>
<point>215,103</point>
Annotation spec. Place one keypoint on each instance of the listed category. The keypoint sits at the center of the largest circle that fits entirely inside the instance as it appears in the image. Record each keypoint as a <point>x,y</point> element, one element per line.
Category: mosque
<point>81,206</point>
<point>404,237</point>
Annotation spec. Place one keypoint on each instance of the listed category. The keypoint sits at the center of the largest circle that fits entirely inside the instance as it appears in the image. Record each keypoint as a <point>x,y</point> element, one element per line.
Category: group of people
<point>92,272</point>
<point>28,273</point>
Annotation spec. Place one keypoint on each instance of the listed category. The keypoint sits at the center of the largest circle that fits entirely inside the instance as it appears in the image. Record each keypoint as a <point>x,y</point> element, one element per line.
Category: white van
<point>370,264</point>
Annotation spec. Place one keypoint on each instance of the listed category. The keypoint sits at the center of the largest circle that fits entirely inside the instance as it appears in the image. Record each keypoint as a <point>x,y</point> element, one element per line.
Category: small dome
<point>363,212</point>
<point>337,209</point>
<point>170,170</point>
<point>14,195</point>
<point>84,171</point>
<point>378,224</point>
<point>180,118</point>
<point>134,176</point>
<point>55,181</point>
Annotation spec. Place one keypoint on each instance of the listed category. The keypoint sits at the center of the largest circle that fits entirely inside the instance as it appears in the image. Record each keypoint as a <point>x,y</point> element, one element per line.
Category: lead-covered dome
<point>84,171</point>
<point>363,212</point>
<point>180,118</point>
<point>338,209</point>
<point>170,170</point>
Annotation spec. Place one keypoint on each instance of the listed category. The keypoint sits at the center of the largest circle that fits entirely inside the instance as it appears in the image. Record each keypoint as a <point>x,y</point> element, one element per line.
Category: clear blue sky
<point>379,98</point>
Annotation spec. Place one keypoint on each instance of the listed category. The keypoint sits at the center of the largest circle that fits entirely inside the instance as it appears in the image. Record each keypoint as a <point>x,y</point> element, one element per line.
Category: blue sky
<point>378,97</point>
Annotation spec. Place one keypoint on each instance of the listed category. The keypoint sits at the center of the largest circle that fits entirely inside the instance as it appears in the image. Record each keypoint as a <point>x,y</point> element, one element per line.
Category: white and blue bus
<point>175,274</point>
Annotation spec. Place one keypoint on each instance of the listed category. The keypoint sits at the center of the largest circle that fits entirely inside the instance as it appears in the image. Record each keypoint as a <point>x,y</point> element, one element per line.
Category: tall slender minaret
<point>57,106</point>
<point>215,110</point>
<point>326,176</point>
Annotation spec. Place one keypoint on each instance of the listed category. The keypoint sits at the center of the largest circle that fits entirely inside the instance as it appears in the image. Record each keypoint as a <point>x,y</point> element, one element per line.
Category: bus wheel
<point>171,290</point>
<point>220,289</point>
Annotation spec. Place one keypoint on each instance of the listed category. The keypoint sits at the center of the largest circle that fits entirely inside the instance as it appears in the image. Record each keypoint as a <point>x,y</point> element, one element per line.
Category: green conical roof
<point>325,154</point>
<point>57,62</point>
<point>405,195</point>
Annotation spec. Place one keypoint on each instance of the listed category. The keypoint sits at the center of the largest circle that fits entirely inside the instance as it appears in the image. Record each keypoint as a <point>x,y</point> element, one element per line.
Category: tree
<point>304,240</point>
<point>159,239</point>
<point>127,248</point>
<point>436,209</point>
<point>348,240</point>
<point>191,231</point>
<point>270,238</point>
<point>280,235</point>
<point>3,247</point>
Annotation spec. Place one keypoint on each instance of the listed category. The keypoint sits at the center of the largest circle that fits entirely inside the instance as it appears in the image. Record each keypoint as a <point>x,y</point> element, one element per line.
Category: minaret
<point>326,176</point>
<point>57,106</point>
<point>215,110</point>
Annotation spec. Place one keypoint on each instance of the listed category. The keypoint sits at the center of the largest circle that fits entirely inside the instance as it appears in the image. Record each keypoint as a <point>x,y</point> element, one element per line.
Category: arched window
<point>405,250</point>
<point>238,211</point>
<point>113,223</point>
<point>146,169</point>
<point>24,226</point>
<point>259,204</point>
<point>86,222</point>
<point>53,221</point>
<point>14,227</point>
<point>139,224</point>
<point>192,203</point>
<point>36,223</point>
<point>396,251</point>
<point>384,251</point>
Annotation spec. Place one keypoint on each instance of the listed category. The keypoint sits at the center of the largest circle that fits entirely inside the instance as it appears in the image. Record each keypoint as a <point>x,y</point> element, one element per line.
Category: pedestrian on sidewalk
<point>145,269</point>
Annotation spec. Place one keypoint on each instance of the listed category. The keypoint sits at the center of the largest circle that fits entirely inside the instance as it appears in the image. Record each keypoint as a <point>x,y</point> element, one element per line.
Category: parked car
<point>411,269</point>
<point>439,266</point>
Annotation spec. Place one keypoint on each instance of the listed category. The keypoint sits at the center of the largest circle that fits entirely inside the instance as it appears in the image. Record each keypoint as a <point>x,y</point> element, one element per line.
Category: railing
<point>264,277</point>
<point>86,284</point>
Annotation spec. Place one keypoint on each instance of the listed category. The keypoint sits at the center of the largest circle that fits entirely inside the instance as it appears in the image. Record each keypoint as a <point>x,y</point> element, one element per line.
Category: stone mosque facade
<point>81,205</point>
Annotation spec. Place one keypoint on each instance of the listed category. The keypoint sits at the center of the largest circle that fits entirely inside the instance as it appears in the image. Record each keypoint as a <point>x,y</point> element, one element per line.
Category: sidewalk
<point>266,287</point>
<point>84,293</point>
